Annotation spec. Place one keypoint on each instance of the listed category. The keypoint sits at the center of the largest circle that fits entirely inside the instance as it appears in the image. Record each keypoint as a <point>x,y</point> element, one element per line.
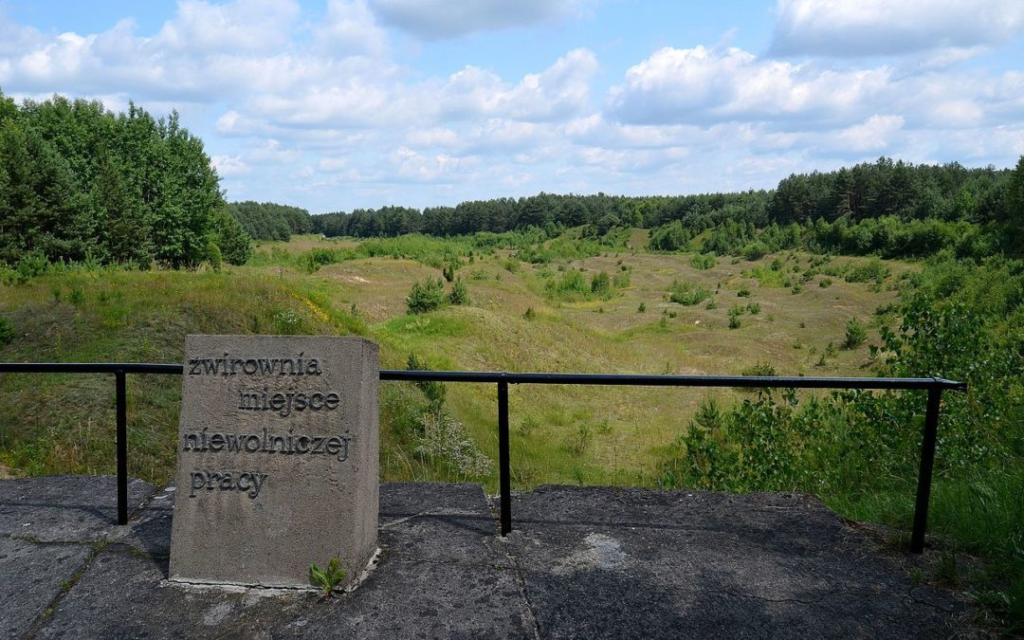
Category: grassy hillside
<point>563,434</point>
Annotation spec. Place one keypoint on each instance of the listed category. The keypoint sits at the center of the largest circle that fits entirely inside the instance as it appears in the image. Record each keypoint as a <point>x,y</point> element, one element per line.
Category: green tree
<point>234,243</point>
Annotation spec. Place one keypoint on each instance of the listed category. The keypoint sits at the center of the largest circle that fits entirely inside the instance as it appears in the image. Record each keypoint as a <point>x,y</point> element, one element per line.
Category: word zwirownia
<point>228,366</point>
<point>254,443</point>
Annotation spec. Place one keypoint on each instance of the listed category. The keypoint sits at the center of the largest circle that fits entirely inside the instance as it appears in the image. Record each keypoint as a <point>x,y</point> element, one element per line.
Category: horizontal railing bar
<point>757,382</point>
<point>90,367</point>
<point>763,382</point>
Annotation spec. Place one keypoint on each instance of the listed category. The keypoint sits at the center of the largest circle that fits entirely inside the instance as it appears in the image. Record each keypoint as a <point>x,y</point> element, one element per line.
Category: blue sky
<point>338,104</point>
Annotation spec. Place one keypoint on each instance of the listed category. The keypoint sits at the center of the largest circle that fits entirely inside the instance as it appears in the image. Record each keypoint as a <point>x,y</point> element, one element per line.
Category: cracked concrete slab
<point>581,562</point>
<point>34,575</point>
<point>65,508</point>
<point>613,563</point>
<point>439,575</point>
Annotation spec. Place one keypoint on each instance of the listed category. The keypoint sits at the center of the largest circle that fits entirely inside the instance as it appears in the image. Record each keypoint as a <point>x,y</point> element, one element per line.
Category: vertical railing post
<point>504,459</point>
<point>924,479</point>
<point>122,448</point>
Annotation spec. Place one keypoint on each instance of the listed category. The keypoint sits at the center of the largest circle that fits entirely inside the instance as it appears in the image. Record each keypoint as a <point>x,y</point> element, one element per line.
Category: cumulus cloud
<point>560,90</point>
<point>885,27</point>
<point>241,25</point>
<point>437,19</point>
<point>350,29</point>
<point>699,85</point>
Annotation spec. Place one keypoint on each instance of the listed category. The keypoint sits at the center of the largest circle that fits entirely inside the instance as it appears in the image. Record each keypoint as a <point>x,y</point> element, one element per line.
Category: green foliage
<point>78,182</point>
<point>231,240</point>
<point>434,391</point>
<point>570,286</point>
<point>703,262</point>
<point>327,579</point>
<point>426,296</point>
<point>687,293</point>
<point>856,334</point>
<point>601,285</point>
<point>459,294</point>
<point>760,369</point>
<point>642,308</point>
<point>213,256</point>
<point>270,221</point>
<point>7,332</point>
<point>744,291</point>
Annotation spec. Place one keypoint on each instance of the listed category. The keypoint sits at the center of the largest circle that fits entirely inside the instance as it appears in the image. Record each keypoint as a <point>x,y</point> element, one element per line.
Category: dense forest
<point>886,208</point>
<point>79,183</point>
<point>269,221</point>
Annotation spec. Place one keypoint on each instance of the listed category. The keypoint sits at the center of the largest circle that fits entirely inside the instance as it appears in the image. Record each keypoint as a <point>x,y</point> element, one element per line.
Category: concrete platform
<point>581,563</point>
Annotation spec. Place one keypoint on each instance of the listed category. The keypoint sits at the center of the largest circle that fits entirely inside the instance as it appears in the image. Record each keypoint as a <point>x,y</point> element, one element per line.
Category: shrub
<point>570,286</point>
<point>754,308</point>
<point>856,334</point>
<point>642,308</point>
<point>761,369</point>
<point>825,283</point>
<point>426,296</point>
<point>601,285</point>
<point>688,294</point>
<point>703,261</point>
<point>459,294</point>
<point>7,332</point>
<point>530,314</point>
<point>744,292</point>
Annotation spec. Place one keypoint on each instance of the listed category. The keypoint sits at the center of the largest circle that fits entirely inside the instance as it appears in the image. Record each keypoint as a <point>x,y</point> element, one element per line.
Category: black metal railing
<point>934,386</point>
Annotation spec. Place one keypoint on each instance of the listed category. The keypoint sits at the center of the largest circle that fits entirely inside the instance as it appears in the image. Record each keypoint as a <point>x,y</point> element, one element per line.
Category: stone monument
<point>277,459</point>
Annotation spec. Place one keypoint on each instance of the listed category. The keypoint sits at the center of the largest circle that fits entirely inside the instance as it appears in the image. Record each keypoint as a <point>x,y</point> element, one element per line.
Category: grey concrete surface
<point>581,563</point>
<point>31,576</point>
<point>278,455</point>
<point>65,508</point>
<point>616,563</point>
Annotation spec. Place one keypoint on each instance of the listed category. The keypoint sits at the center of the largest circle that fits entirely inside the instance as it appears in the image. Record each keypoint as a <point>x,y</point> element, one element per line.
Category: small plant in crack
<point>327,579</point>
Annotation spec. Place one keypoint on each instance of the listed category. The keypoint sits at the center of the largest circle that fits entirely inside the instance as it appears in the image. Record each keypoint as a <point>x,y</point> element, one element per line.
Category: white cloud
<point>874,135</point>
<point>700,85</point>
<point>560,90</point>
<point>241,25</point>
<point>229,165</point>
<point>892,27</point>
<point>350,29</point>
<point>436,19</point>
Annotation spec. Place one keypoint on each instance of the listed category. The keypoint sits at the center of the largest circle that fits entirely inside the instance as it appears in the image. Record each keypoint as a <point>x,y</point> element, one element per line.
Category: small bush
<point>754,308</point>
<point>688,294</point>
<point>530,314</point>
<point>7,332</point>
<point>825,283</point>
<point>856,334</point>
<point>601,285</point>
<point>642,308</point>
<point>426,296</point>
<point>459,293</point>
<point>703,262</point>
<point>761,369</point>
<point>744,292</point>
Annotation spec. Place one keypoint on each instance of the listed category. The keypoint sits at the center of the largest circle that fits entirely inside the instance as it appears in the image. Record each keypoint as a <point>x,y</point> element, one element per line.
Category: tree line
<point>883,207</point>
<point>270,221</point>
<point>80,183</point>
